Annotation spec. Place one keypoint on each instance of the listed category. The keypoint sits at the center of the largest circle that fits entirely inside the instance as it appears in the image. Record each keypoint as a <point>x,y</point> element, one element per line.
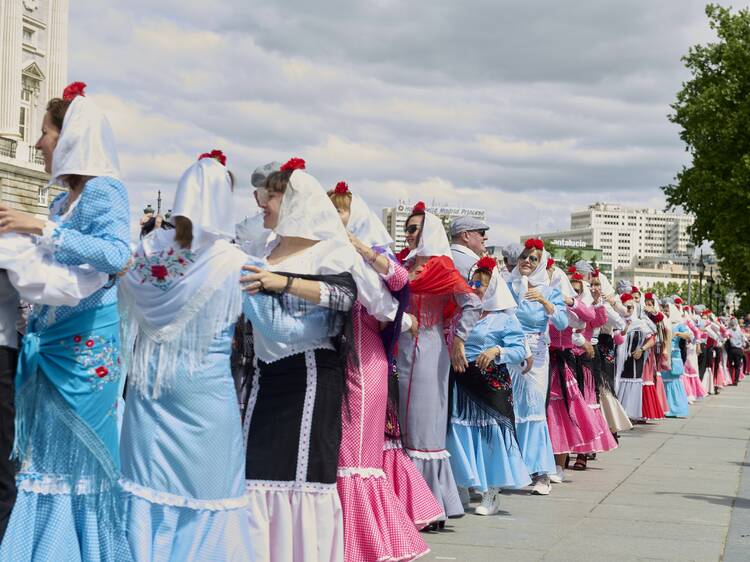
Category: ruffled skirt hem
<point>536,446</point>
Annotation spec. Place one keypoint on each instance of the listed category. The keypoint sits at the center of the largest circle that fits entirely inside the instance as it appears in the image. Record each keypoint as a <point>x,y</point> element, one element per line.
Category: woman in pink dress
<point>376,526</point>
<point>691,379</point>
<point>653,406</point>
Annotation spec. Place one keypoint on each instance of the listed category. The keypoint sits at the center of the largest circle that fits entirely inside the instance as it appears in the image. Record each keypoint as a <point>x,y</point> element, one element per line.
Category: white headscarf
<point>307,212</point>
<point>607,288</point>
<point>497,296</point>
<point>86,146</point>
<point>366,226</point>
<point>204,195</point>
<point>561,282</point>
<point>538,277</point>
<point>432,240</point>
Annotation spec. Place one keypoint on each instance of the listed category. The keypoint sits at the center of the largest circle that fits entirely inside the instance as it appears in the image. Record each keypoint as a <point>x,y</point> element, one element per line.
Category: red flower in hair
<point>658,317</point>
<point>677,300</point>
<point>73,90</point>
<point>215,154</point>
<point>577,277</point>
<point>595,273</point>
<point>487,263</point>
<point>635,289</point>
<point>648,296</point>
<point>293,164</point>
<point>419,207</point>
<point>550,262</point>
<point>626,297</point>
<point>341,188</point>
<point>402,254</point>
<point>572,269</point>
<point>534,243</point>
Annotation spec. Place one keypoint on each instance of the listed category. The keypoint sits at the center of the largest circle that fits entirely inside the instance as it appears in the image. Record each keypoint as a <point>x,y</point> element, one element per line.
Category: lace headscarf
<point>366,226</point>
<point>497,297</point>
<point>432,240</point>
<point>538,277</point>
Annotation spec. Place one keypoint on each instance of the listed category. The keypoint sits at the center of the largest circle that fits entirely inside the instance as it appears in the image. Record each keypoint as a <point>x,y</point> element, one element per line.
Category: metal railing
<point>35,156</point>
<point>8,147</point>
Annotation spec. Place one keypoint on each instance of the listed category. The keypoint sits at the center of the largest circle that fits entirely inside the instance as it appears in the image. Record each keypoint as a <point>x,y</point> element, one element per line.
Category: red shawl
<point>440,277</point>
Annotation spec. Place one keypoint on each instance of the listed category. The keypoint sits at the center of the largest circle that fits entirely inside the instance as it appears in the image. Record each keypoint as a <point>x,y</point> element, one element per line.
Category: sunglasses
<point>481,232</point>
<point>412,229</point>
<point>475,284</point>
<point>530,257</point>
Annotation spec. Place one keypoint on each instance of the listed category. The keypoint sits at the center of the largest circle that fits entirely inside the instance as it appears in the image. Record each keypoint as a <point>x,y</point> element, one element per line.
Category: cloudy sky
<point>527,109</point>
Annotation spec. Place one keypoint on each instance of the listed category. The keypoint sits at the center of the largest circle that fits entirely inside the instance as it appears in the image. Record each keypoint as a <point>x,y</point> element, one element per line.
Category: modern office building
<point>394,218</point>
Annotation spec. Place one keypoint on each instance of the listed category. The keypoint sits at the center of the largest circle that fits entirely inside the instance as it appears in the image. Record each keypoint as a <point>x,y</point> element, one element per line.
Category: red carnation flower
<point>677,300</point>
<point>419,207</point>
<point>102,371</point>
<point>89,343</point>
<point>550,262</point>
<point>595,273</point>
<point>635,289</point>
<point>648,296</point>
<point>77,339</point>
<point>486,263</point>
<point>658,317</point>
<point>626,297</point>
<point>216,155</point>
<point>577,277</point>
<point>534,243</point>
<point>159,271</point>
<point>572,269</point>
<point>73,90</point>
<point>293,164</point>
<point>341,188</point>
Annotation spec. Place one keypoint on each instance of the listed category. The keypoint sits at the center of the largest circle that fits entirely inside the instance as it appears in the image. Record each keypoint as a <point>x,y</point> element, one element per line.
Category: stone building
<point>33,69</point>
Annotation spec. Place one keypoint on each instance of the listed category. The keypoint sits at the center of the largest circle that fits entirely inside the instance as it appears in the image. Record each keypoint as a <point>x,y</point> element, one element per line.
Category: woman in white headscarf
<point>365,494</point>
<point>673,385</point>
<point>482,435</point>
<point>293,411</point>
<point>181,443</point>
<point>438,296</point>
<point>539,304</point>
<point>68,382</point>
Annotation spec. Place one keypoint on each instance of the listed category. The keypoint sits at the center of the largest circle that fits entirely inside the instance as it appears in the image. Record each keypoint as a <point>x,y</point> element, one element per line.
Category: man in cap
<point>468,236</point>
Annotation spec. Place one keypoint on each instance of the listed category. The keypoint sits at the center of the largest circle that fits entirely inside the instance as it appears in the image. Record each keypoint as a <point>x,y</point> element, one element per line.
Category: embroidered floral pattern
<point>161,269</point>
<point>98,356</point>
<point>497,378</point>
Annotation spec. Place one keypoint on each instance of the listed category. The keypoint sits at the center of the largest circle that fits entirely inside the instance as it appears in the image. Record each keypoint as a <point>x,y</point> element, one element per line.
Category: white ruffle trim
<point>538,418</point>
<point>429,455</point>
<point>368,472</point>
<point>392,444</point>
<point>289,486</point>
<point>174,500</point>
<point>52,484</point>
<point>466,423</point>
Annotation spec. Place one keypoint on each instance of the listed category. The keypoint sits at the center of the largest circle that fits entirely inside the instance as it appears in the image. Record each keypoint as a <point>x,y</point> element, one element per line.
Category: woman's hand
<point>414,330</point>
<point>487,357</point>
<point>127,267</point>
<point>458,355</point>
<point>17,221</point>
<point>534,295</point>
<point>364,250</point>
<point>529,364</point>
<point>260,279</point>
<point>590,353</point>
<point>637,353</point>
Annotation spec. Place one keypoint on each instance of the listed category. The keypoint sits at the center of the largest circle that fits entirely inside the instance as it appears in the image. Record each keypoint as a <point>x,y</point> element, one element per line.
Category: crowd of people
<point>289,388</point>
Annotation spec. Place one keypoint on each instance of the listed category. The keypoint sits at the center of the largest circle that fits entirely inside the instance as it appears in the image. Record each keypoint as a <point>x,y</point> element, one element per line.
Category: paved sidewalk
<point>674,490</point>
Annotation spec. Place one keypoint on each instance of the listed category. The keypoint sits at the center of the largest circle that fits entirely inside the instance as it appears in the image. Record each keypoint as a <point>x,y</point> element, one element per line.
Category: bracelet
<point>288,285</point>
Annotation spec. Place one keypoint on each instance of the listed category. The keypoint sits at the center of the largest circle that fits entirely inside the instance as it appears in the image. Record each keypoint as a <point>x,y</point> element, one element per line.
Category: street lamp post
<point>701,272</point>
<point>690,249</point>
<point>710,284</point>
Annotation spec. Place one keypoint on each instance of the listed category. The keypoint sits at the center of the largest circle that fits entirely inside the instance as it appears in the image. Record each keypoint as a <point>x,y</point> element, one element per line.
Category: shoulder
<point>334,256</point>
<point>105,189</point>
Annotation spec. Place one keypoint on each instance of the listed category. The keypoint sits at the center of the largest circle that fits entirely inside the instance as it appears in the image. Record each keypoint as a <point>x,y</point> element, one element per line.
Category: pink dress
<point>571,422</point>
<point>652,406</point>
<point>691,378</point>
<point>376,525</point>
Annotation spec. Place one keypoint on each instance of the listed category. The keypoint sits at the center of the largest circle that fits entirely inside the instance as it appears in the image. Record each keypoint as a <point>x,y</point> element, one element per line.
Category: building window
<point>23,123</point>
<point>44,196</point>
<point>28,35</point>
<point>26,95</point>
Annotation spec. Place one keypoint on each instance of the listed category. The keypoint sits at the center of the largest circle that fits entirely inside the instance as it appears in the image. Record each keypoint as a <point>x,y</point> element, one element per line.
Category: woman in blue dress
<point>481,434</point>
<point>673,385</point>
<point>181,447</point>
<point>538,305</point>
<point>67,385</point>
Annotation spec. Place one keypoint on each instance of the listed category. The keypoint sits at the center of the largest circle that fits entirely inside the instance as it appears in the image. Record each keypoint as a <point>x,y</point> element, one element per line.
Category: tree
<point>713,113</point>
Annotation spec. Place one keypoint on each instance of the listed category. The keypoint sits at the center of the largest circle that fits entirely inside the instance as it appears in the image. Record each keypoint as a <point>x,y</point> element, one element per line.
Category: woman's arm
<point>559,317</point>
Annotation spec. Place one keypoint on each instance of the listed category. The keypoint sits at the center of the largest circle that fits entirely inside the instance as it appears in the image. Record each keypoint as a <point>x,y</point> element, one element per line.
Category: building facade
<point>625,235</point>
<point>33,69</point>
<point>394,218</point>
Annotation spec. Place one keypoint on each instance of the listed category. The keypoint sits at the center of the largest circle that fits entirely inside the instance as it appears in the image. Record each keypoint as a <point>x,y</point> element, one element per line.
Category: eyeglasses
<point>530,257</point>
<point>412,229</point>
<point>475,284</point>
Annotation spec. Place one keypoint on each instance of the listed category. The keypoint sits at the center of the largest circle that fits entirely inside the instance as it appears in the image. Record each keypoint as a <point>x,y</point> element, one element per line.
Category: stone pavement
<point>674,490</point>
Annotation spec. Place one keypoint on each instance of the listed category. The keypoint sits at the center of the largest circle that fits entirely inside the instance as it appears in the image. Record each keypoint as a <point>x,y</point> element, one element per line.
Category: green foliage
<point>572,256</point>
<point>713,112</point>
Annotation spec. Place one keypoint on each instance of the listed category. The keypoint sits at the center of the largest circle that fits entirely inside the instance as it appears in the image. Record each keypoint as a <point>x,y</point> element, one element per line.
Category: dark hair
<point>411,216</point>
<point>150,225</point>
<point>57,108</point>
<point>183,231</point>
<point>278,181</point>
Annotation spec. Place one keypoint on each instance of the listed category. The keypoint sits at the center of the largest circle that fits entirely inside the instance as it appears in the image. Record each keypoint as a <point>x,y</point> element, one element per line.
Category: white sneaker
<point>558,477</point>
<point>542,486</point>
<point>490,502</point>
<point>463,494</point>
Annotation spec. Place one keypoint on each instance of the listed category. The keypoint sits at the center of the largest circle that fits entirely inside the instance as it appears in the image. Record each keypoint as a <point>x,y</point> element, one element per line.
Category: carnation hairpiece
<point>572,269</point>
<point>341,188</point>
<point>293,164</point>
<point>577,277</point>
<point>648,296</point>
<point>550,262</point>
<point>419,207</point>
<point>625,297</point>
<point>534,243</point>
<point>634,289</point>
<point>73,90</point>
<point>216,155</point>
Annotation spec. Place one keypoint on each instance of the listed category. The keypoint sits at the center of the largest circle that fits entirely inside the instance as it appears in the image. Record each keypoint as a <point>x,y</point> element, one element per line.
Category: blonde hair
<point>342,201</point>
